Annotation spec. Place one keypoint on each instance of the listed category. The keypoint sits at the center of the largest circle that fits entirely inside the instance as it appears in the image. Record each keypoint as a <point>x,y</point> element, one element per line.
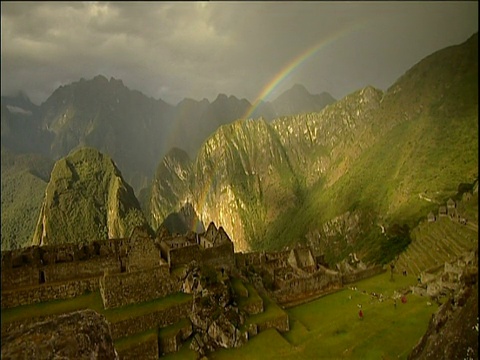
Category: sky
<point>253,50</point>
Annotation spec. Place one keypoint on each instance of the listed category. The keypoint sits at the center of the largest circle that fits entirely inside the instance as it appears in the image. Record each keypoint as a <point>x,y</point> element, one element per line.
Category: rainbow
<point>289,68</point>
<point>294,64</point>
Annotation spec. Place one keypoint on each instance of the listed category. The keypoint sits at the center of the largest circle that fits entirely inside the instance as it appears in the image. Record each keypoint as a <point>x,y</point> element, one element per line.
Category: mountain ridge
<point>357,163</point>
<point>87,188</point>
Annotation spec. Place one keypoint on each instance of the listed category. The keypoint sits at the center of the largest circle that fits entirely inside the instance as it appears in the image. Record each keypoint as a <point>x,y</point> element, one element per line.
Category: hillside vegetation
<point>339,177</point>
<point>87,199</point>
<point>24,180</point>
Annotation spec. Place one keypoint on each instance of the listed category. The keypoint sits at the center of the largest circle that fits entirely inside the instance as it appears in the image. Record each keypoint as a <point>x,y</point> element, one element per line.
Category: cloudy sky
<point>173,50</point>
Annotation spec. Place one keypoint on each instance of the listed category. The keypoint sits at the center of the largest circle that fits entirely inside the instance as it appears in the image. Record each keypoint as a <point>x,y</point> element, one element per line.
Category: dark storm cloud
<point>175,50</point>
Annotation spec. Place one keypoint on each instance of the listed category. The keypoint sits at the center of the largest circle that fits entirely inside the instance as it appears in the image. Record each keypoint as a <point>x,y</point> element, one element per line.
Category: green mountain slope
<point>24,180</point>
<point>87,199</point>
<point>430,148</point>
<point>340,177</point>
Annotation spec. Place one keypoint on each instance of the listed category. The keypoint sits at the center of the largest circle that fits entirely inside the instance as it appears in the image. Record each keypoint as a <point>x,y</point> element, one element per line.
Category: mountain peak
<point>100,78</point>
<point>89,186</point>
<point>221,97</point>
<point>299,88</point>
<point>298,99</point>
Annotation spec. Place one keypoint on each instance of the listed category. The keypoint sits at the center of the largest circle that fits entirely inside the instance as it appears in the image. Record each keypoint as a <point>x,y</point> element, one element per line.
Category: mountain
<point>87,199</point>
<point>171,181</point>
<point>24,180</point>
<point>133,129</point>
<point>196,120</point>
<point>183,221</point>
<point>106,115</point>
<point>338,177</point>
<point>298,100</point>
<point>20,126</point>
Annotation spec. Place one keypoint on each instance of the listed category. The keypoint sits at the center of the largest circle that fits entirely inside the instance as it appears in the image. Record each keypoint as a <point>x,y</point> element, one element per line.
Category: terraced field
<point>434,243</point>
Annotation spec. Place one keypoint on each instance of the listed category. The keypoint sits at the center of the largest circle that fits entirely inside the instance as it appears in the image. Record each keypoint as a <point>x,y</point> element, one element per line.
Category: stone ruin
<point>139,269</point>
<point>449,278</point>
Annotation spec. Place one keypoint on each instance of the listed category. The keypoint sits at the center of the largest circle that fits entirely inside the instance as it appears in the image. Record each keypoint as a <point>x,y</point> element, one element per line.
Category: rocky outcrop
<point>79,335</point>
<point>87,189</point>
<point>453,330</point>
<point>215,317</point>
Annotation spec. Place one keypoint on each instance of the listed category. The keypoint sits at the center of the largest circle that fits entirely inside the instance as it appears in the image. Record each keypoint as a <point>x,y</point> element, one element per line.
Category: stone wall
<point>254,306</point>
<point>219,256</point>
<point>23,267</point>
<point>95,267</point>
<point>362,274</point>
<point>160,318</point>
<point>144,253</point>
<point>147,350</point>
<point>280,323</point>
<point>184,255</point>
<point>15,278</point>
<point>309,286</point>
<point>48,292</point>
<point>136,287</point>
<point>170,341</point>
<point>247,259</point>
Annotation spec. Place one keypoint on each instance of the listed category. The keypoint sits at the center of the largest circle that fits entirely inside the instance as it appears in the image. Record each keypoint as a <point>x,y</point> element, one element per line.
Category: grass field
<point>329,328</point>
<point>91,301</point>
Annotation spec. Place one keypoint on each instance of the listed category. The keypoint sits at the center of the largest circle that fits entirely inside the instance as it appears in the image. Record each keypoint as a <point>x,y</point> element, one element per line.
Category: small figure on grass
<point>360,314</point>
<point>395,303</point>
<point>392,267</point>
<point>404,299</point>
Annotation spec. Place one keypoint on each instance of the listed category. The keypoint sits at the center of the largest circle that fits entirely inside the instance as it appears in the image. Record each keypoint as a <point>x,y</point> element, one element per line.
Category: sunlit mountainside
<point>335,178</point>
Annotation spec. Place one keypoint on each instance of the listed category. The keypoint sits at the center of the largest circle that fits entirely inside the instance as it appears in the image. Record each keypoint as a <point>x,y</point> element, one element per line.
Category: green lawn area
<point>134,310</point>
<point>92,301</point>
<point>129,341</point>
<point>271,309</point>
<point>173,329</point>
<point>329,328</point>
<point>183,354</point>
<point>87,301</point>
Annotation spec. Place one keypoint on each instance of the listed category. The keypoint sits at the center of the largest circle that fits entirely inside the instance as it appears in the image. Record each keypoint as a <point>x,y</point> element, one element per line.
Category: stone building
<point>442,211</point>
<point>302,258</point>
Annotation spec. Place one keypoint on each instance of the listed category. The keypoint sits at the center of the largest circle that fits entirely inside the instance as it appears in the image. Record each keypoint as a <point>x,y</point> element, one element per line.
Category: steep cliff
<point>363,161</point>
<point>86,199</point>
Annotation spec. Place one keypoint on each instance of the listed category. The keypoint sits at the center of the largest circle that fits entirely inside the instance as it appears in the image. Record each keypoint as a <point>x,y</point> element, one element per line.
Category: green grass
<point>252,295</point>
<point>271,309</point>
<point>325,328</point>
<point>329,328</point>
<point>269,344</point>
<point>239,288</point>
<point>88,301</point>
<point>130,341</point>
<point>91,301</point>
<point>135,310</point>
<point>173,329</point>
<point>183,354</point>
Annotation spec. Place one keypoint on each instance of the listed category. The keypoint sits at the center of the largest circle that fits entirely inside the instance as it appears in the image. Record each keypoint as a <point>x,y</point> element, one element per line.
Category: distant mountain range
<point>135,130</point>
<point>334,176</point>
